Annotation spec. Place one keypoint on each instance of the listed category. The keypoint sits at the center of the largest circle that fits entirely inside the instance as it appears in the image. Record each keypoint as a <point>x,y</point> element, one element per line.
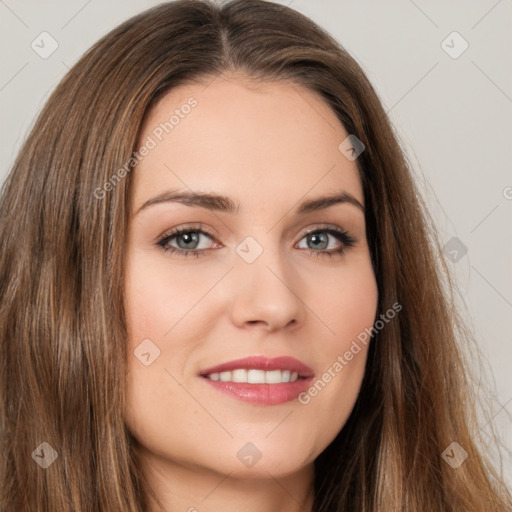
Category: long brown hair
<point>63,349</point>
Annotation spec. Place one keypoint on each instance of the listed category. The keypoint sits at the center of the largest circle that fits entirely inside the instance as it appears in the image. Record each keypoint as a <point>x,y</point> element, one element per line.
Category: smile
<point>260,380</point>
<point>254,376</point>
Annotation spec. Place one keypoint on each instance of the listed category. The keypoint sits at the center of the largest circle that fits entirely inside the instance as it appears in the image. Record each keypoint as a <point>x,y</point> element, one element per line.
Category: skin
<point>267,146</point>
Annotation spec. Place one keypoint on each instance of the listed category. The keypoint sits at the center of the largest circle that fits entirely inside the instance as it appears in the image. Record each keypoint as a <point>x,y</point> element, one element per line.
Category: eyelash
<point>341,235</point>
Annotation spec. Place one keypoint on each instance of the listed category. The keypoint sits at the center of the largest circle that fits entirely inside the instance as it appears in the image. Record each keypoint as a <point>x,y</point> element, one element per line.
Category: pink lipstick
<point>260,380</point>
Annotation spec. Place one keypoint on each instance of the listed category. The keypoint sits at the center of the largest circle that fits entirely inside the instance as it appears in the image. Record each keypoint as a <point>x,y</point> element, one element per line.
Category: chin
<point>248,461</point>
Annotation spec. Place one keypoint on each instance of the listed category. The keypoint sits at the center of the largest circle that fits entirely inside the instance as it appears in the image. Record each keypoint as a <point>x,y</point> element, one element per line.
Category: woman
<point>174,338</point>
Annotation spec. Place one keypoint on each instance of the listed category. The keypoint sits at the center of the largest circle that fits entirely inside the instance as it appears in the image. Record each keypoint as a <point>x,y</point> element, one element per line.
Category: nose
<point>266,293</point>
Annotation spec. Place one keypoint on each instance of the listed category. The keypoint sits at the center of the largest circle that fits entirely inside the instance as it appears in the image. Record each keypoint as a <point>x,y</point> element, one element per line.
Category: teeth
<point>273,377</point>
<point>225,376</point>
<point>255,376</point>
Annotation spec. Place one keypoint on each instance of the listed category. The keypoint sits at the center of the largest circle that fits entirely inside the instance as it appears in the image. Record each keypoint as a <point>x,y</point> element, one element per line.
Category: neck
<point>196,489</point>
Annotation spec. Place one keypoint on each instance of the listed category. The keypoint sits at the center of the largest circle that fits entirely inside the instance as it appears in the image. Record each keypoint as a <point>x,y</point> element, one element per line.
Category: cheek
<point>159,298</point>
<point>346,306</point>
<point>349,309</point>
<point>159,294</point>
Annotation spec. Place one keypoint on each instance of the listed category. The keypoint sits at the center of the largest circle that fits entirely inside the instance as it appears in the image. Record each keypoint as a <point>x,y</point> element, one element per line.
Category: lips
<point>289,378</point>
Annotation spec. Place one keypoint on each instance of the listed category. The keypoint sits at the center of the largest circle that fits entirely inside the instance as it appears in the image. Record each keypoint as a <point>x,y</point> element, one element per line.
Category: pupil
<point>314,236</point>
<point>189,237</point>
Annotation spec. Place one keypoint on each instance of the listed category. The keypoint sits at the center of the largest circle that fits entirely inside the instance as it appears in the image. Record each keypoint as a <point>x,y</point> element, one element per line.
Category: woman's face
<point>259,286</point>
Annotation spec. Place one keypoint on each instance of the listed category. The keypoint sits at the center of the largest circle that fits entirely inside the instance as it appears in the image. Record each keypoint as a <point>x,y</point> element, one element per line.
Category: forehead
<point>265,139</point>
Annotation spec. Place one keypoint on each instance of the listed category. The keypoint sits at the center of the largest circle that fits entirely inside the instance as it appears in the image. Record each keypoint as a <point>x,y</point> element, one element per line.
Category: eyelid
<point>183,228</point>
<point>321,226</point>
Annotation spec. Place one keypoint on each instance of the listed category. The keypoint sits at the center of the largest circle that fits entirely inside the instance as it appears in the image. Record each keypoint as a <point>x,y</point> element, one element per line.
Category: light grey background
<point>453,116</point>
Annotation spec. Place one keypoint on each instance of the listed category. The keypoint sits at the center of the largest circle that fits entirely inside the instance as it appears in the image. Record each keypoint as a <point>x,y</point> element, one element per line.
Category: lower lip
<point>262,394</point>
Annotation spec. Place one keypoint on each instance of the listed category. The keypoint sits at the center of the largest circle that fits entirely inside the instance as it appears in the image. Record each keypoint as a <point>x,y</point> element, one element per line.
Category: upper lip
<point>262,363</point>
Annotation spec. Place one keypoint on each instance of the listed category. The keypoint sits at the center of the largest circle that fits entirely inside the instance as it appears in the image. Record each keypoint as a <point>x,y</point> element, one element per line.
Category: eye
<point>187,239</point>
<point>319,238</point>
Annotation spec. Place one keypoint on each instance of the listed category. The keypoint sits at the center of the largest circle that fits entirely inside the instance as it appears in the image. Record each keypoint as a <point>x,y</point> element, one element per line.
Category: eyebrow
<point>220,203</point>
